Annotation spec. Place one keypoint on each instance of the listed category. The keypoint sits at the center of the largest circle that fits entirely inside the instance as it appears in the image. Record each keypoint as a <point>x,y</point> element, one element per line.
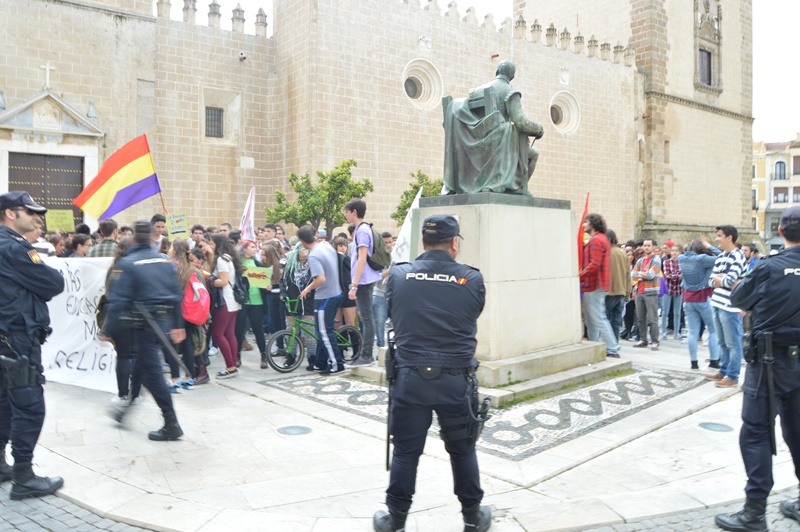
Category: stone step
<point>505,371</point>
<point>548,383</point>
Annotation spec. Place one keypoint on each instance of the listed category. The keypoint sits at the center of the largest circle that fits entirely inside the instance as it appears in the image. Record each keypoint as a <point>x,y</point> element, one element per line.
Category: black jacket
<point>772,291</point>
<point>434,303</point>
<point>144,276</point>
<point>26,285</point>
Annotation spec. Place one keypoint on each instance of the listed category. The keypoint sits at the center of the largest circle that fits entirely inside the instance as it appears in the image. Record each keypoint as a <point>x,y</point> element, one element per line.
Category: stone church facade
<point>646,104</point>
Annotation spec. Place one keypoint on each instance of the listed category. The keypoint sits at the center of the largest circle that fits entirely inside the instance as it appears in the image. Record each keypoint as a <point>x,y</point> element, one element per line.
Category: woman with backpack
<point>179,252</point>
<point>227,270</point>
<point>253,310</point>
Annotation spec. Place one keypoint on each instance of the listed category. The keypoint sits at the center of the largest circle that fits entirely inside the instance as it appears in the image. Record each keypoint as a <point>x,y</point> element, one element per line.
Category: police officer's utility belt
<point>431,373</point>
<point>18,370</point>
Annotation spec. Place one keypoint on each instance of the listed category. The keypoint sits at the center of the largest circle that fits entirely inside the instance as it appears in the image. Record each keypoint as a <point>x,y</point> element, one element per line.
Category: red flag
<point>580,233</point>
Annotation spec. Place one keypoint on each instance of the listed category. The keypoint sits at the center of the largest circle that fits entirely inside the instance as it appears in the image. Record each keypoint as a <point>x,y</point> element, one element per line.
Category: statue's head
<point>506,69</point>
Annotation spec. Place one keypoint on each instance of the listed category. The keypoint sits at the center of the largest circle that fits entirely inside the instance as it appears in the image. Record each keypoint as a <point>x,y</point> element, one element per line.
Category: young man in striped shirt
<point>728,269</point>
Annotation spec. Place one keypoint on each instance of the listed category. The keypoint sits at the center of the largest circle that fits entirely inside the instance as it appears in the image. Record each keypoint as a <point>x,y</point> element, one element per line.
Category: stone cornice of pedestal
<point>493,198</point>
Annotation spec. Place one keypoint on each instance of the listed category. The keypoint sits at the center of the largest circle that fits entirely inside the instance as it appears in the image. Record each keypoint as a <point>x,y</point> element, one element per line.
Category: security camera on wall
<point>242,56</point>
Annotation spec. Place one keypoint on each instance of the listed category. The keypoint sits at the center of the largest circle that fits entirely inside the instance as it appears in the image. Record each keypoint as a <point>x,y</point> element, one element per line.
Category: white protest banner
<point>73,354</point>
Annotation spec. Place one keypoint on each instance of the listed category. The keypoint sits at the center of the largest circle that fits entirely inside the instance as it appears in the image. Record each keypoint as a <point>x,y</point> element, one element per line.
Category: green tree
<point>321,201</point>
<point>421,181</point>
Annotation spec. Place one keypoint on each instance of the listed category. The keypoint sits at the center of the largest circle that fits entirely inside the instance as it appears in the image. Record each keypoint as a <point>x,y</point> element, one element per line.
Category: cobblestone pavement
<point>52,513</point>
<point>703,520</point>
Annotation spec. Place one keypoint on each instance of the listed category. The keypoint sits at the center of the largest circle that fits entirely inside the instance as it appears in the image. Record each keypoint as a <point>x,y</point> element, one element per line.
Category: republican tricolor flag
<point>126,178</point>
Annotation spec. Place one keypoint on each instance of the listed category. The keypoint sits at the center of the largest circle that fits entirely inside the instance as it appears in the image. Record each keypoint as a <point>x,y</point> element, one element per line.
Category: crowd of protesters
<point>214,259</point>
<point>643,292</point>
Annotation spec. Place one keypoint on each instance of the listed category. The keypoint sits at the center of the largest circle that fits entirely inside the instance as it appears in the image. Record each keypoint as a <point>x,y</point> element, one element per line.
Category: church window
<point>423,84</point>
<point>708,46</point>
<point>413,88</point>
<point>214,122</point>
<point>565,113</point>
<point>705,67</point>
<point>780,170</point>
<point>556,114</point>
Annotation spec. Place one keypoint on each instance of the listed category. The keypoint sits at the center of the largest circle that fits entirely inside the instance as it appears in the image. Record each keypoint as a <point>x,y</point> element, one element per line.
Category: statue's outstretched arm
<point>517,115</point>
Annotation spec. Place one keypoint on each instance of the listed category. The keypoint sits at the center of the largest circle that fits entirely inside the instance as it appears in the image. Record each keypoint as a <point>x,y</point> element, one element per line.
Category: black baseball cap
<point>790,216</point>
<point>440,226</point>
<point>20,198</point>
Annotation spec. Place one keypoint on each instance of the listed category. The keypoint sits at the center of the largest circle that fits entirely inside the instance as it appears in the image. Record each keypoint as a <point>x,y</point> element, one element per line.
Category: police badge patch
<point>34,255</point>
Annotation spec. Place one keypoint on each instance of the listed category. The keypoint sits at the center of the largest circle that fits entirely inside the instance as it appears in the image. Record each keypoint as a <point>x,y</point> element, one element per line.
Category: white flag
<point>247,225</point>
<point>402,248</point>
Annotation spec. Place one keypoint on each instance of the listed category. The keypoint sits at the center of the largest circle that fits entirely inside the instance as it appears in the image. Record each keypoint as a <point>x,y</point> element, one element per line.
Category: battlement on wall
<point>215,15</point>
<point>518,29</point>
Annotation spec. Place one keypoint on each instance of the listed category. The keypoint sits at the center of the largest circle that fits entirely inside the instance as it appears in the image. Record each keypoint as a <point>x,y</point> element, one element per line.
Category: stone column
<point>536,32</point>
<point>565,37</point>
<point>213,14</point>
<point>519,28</point>
<point>162,8</point>
<point>618,51</point>
<point>261,23</point>
<point>578,44</point>
<point>605,51</point>
<point>237,21</point>
<point>592,46</point>
<point>189,11</point>
<point>551,35</point>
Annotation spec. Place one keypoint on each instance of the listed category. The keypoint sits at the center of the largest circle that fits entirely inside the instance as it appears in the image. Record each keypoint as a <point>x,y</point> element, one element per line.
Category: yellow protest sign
<point>259,277</point>
<point>60,219</point>
<point>176,224</point>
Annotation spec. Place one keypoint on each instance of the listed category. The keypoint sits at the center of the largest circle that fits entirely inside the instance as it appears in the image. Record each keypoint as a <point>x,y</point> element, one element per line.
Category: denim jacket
<point>696,269</point>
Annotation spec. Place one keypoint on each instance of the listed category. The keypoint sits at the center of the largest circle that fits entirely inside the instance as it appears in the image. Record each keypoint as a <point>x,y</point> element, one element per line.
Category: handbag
<point>241,290</point>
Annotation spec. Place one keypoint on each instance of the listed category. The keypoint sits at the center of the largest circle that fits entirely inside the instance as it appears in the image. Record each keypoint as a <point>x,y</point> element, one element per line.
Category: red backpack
<point>196,301</point>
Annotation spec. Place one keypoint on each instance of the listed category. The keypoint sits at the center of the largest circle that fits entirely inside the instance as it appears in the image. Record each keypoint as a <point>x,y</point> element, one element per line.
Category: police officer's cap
<point>440,226</point>
<point>20,198</point>
<point>790,216</point>
<point>142,230</point>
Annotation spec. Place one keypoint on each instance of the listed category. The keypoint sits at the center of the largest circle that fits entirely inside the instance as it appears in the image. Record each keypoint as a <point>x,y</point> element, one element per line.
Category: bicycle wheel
<point>285,352</point>
<point>349,340</point>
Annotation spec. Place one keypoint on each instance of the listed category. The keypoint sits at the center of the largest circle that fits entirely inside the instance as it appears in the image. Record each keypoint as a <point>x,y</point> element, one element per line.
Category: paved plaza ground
<point>629,453</point>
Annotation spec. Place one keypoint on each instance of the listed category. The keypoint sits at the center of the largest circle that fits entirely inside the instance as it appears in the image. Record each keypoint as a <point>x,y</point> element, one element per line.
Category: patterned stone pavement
<point>52,513</point>
<point>703,520</point>
<point>523,430</point>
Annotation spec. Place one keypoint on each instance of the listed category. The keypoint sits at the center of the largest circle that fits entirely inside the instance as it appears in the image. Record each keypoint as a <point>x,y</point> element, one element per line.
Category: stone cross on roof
<point>47,68</point>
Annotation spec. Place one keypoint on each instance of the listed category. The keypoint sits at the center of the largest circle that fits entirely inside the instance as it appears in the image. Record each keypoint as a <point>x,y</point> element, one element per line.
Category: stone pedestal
<point>526,250</point>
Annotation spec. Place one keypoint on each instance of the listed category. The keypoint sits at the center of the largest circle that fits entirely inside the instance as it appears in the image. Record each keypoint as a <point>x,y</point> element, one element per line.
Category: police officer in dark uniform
<point>26,285</point>
<point>772,382</point>
<point>145,293</point>
<point>434,303</point>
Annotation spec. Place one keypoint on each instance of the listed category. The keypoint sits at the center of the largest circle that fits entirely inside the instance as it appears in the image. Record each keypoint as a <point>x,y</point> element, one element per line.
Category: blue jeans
<point>697,313</point>
<point>728,326</point>
<point>614,306</point>
<point>597,325</point>
<point>677,302</point>
<point>381,312</point>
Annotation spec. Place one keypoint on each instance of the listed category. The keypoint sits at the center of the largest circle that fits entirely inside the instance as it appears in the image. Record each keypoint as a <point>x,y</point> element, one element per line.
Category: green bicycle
<point>286,349</point>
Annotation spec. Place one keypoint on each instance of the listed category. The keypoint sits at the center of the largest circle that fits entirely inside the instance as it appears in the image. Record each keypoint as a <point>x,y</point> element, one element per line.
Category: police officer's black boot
<point>477,518</point>
<point>791,509</point>
<point>394,521</point>
<point>27,484</point>
<point>6,473</point>
<point>170,431</point>
<point>751,518</point>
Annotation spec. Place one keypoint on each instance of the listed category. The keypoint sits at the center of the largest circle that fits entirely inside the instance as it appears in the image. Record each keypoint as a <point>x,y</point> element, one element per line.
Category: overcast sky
<point>776,77</point>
